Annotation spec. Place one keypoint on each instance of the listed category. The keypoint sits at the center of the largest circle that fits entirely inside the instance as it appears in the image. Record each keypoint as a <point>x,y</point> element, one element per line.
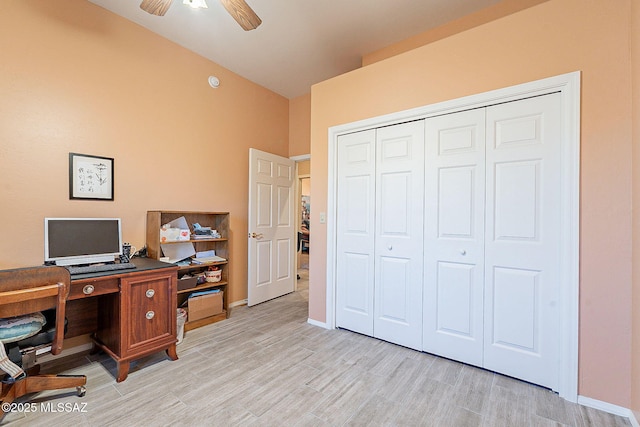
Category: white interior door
<point>454,236</point>
<point>522,240</point>
<point>399,234</point>
<point>272,226</point>
<point>355,228</point>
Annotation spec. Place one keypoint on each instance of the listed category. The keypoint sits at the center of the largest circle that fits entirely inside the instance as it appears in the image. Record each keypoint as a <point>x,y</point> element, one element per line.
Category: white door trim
<point>568,85</point>
<point>300,158</point>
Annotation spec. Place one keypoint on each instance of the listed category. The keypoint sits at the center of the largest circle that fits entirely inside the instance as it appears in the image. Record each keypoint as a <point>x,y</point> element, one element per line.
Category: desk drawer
<point>92,287</point>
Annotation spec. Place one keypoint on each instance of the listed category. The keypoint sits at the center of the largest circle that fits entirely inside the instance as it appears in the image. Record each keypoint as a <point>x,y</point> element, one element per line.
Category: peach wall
<point>554,37</point>
<point>488,14</point>
<point>304,167</point>
<point>305,186</point>
<point>635,72</point>
<point>77,78</point>
<point>300,125</point>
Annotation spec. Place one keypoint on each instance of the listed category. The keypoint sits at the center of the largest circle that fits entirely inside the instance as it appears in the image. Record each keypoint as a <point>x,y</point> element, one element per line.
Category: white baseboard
<point>610,408</point>
<point>238,303</point>
<point>316,323</point>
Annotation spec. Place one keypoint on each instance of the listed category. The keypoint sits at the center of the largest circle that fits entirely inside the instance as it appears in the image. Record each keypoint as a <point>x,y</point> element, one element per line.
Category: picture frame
<point>90,177</point>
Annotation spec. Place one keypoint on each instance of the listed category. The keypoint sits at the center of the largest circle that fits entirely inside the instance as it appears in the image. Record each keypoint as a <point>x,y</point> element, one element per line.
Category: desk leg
<point>94,348</point>
<point>123,371</point>
<point>171,352</point>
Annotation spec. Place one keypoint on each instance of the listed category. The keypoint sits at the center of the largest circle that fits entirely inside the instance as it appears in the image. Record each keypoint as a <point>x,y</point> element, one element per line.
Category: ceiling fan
<point>238,9</point>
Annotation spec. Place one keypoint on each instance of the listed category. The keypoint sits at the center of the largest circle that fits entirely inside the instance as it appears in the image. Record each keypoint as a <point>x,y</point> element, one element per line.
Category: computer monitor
<point>74,241</point>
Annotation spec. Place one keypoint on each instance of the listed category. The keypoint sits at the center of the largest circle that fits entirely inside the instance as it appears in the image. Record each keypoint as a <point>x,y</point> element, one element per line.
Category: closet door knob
<point>150,315</point>
<point>463,252</point>
<point>150,293</point>
<point>390,247</point>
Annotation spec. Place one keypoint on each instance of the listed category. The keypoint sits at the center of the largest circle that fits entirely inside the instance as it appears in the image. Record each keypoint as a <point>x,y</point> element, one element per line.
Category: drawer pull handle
<point>150,315</point>
<point>88,289</point>
<point>150,293</point>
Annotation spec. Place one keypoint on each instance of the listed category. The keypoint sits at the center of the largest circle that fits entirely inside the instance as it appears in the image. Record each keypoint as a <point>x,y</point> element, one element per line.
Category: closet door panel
<point>393,305</point>
<point>454,235</point>
<point>399,234</point>
<point>456,187</point>
<point>455,291</point>
<point>514,310</point>
<point>517,201</point>
<point>395,212</point>
<point>357,289</point>
<point>523,239</point>
<point>356,231</point>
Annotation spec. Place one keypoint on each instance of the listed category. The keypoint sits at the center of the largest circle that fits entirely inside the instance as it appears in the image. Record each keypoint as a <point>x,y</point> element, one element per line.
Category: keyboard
<point>98,268</point>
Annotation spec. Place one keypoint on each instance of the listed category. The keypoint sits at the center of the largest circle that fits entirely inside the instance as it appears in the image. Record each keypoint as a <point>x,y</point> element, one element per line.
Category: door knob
<point>150,293</point>
<point>390,247</point>
<point>256,235</point>
<point>463,252</point>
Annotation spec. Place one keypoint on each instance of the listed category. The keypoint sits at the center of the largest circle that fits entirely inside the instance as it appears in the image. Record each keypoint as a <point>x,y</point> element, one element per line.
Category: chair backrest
<point>33,289</point>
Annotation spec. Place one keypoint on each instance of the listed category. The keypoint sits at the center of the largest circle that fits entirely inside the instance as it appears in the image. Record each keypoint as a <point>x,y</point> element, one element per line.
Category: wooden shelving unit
<point>216,220</point>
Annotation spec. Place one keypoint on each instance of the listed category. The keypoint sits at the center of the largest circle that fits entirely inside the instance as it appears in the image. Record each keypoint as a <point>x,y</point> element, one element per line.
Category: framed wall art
<point>90,177</point>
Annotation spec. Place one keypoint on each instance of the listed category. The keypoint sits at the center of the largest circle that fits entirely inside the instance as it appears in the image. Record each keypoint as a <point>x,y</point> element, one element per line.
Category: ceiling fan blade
<point>242,13</point>
<point>155,7</point>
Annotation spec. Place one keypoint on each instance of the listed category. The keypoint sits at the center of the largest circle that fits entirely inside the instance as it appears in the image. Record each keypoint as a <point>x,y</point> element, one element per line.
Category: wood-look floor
<point>266,366</point>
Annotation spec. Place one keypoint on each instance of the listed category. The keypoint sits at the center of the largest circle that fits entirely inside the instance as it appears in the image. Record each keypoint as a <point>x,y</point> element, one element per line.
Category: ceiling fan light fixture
<point>242,13</point>
<point>196,4</point>
<point>156,7</point>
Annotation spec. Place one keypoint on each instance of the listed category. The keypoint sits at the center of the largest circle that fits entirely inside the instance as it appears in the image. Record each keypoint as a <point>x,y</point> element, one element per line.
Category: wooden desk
<point>130,313</point>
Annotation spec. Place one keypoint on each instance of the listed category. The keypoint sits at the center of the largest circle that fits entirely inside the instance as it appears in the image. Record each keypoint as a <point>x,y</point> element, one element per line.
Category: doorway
<point>303,216</point>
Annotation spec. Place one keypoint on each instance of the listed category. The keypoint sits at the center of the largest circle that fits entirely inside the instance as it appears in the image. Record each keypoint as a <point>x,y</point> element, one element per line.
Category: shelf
<point>204,286</point>
<point>216,221</point>
<point>169,242</point>
<point>206,321</point>
<point>194,266</point>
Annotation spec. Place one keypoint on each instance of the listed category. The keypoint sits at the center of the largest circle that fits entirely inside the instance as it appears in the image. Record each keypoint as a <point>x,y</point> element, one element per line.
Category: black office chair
<point>25,329</point>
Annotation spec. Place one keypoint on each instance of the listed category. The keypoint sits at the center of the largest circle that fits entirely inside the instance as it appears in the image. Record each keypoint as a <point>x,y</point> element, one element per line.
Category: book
<point>208,259</point>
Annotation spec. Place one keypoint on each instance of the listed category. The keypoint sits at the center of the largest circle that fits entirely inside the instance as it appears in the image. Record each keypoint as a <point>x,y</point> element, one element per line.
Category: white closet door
<point>399,234</point>
<point>355,230</point>
<point>522,243</point>
<point>454,236</point>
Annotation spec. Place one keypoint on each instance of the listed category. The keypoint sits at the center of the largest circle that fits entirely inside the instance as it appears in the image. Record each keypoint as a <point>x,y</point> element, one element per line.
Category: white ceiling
<point>300,42</point>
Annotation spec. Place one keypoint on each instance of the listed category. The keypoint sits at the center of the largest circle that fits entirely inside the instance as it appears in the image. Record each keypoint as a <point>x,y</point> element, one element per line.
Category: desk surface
<point>142,264</point>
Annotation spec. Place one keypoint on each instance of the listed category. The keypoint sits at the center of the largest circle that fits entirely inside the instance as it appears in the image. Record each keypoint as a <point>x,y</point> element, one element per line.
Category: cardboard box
<point>205,306</point>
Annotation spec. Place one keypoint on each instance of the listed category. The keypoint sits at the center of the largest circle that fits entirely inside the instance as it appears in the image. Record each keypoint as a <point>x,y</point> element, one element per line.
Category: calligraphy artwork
<point>90,177</point>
